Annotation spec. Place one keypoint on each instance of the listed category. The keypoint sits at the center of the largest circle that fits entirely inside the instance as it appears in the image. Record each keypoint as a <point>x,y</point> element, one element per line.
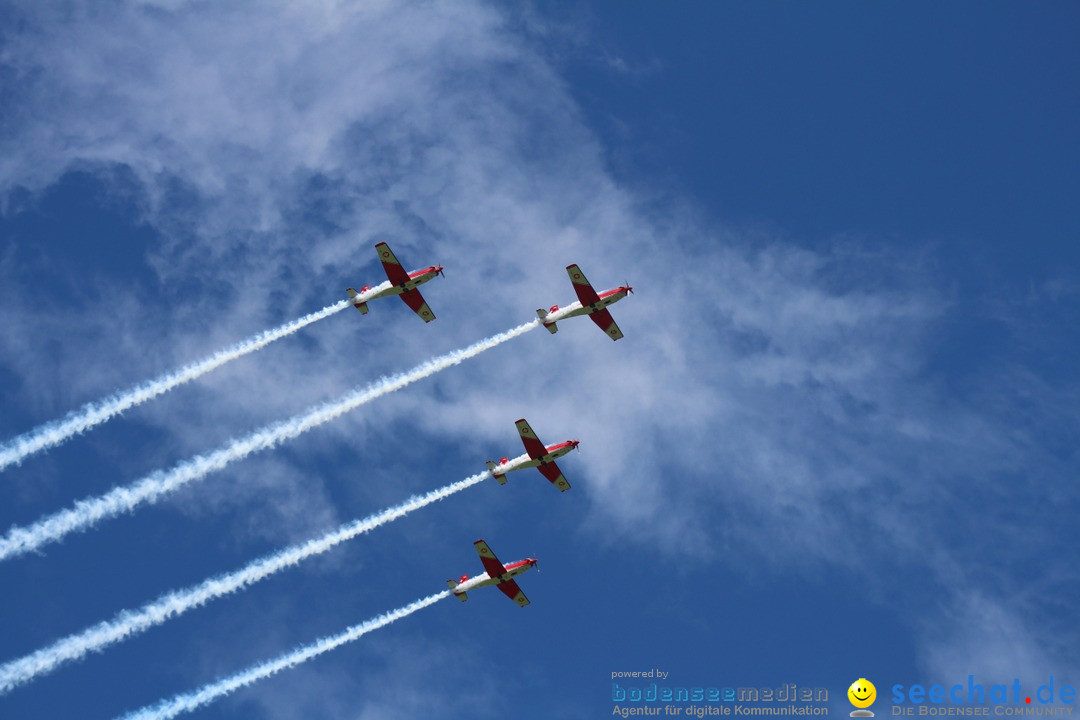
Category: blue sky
<point>839,437</point>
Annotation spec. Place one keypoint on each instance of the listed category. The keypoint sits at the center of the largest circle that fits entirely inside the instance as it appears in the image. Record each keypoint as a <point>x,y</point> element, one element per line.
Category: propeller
<point>629,289</point>
<point>441,273</point>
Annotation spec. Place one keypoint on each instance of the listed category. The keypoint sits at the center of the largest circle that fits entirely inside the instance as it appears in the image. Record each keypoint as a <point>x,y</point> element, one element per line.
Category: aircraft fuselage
<point>484,579</point>
<point>553,453</point>
<point>386,289</point>
<point>574,309</point>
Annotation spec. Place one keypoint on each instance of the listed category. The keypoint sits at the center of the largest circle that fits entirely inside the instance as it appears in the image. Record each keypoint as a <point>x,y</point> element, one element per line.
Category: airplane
<point>400,283</point>
<point>497,574</point>
<point>588,303</point>
<point>538,456</point>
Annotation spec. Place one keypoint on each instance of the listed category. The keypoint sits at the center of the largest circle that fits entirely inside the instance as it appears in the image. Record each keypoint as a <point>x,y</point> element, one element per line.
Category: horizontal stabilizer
<point>551,327</point>
<point>459,595</point>
<point>361,306</point>
<point>491,468</point>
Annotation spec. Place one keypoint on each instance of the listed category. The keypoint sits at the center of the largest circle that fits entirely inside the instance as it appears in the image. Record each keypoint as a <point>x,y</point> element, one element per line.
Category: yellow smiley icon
<point>862,693</point>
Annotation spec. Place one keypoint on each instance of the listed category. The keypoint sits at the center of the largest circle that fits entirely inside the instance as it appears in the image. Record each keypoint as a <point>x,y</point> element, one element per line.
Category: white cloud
<point>990,638</point>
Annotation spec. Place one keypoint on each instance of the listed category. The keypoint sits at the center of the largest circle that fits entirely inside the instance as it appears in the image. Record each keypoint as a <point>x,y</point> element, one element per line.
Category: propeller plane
<point>497,574</point>
<point>589,303</point>
<point>399,283</point>
<point>537,455</point>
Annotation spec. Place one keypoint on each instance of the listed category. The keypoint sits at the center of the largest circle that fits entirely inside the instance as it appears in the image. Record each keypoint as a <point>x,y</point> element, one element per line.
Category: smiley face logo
<point>862,693</point>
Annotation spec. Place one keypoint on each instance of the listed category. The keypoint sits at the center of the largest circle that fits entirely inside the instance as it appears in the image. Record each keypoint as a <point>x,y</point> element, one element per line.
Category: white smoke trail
<point>174,604</point>
<point>51,434</point>
<point>85,513</point>
<point>208,693</point>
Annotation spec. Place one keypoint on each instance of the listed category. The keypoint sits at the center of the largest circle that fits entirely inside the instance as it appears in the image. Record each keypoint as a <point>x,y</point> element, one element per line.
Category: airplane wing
<point>491,563</point>
<point>394,271</point>
<point>532,444</point>
<point>605,322</point>
<point>496,570</point>
<point>415,300</point>
<point>552,472</point>
<point>512,591</point>
<point>584,290</point>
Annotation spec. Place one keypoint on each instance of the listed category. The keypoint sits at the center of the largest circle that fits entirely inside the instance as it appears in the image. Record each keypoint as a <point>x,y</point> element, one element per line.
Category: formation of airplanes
<point>542,457</point>
<point>404,284</point>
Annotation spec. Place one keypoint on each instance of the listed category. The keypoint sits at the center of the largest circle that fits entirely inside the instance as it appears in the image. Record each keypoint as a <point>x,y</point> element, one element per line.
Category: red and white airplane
<point>538,456</point>
<point>588,303</point>
<point>497,574</point>
<point>399,283</point>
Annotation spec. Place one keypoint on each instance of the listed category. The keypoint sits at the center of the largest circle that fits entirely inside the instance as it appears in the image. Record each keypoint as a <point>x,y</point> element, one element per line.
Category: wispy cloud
<point>87,513</point>
<point>78,421</point>
<point>174,604</point>
<point>207,694</point>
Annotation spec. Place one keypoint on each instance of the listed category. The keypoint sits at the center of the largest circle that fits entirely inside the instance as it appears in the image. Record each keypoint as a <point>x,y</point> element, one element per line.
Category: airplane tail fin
<point>551,327</point>
<point>460,596</point>
<point>362,307</point>
<point>491,468</point>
